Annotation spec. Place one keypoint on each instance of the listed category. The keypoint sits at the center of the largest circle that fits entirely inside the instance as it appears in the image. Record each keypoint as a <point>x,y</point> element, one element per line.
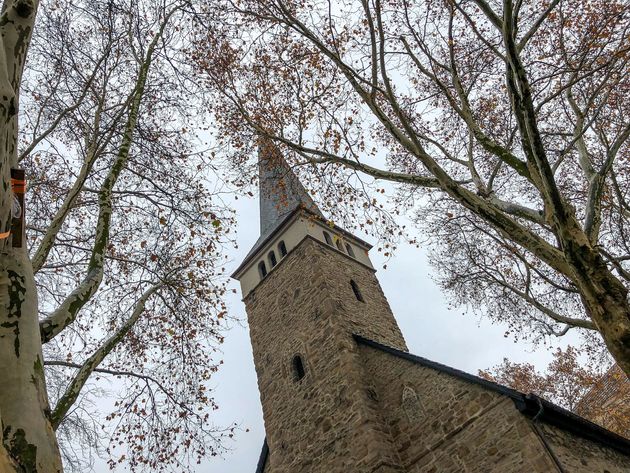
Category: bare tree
<point>113,262</point>
<point>504,124</point>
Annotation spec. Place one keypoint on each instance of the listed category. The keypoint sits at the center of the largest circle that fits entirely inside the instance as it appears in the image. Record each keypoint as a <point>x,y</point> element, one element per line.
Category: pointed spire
<point>281,192</point>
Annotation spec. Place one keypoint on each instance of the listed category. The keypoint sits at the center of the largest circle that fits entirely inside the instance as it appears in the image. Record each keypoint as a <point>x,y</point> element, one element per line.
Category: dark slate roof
<point>260,468</point>
<point>281,194</point>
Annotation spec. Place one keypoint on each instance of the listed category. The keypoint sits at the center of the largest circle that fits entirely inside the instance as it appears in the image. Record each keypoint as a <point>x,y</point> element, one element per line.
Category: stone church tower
<point>341,393</point>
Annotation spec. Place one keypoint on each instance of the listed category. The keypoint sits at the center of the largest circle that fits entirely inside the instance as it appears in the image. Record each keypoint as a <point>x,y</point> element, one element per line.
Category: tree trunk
<point>6,463</point>
<point>613,318</point>
<point>28,439</point>
<point>606,301</point>
<point>27,433</point>
<point>604,297</point>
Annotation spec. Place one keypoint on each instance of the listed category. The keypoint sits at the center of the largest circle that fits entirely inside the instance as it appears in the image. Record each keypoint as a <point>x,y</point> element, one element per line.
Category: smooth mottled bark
<point>27,432</point>
<point>105,111</point>
<point>69,397</point>
<point>28,437</point>
<point>67,311</point>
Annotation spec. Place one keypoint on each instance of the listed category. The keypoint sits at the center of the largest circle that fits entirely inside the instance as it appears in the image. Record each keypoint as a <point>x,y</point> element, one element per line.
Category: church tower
<point>309,288</point>
<point>341,393</point>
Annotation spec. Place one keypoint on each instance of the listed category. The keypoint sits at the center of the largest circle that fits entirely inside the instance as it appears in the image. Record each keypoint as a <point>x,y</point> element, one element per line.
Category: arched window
<point>411,404</point>
<point>339,245</point>
<point>272,259</point>
<point>350,250</point>
<point>328,239</point>
<point>282,248</point>
<point>357,292</point>
<point>298,368</point>
<point>262,269</point>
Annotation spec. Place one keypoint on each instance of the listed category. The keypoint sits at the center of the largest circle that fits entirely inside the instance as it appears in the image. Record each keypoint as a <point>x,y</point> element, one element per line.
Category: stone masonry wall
<point>579,455</point>
<point>373,318</point>
<point>325,422</point>
<point>359,409</point>
<point>442,424</point>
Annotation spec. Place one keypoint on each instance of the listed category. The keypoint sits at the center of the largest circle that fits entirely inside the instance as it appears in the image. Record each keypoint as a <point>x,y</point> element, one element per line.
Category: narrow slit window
<point>328,239</point>
<point>357,292</point>
<point>298,368</point>
<point>272,259</point>
<point>282,248</point>
<point>350,250</point>
<point>262,269</point>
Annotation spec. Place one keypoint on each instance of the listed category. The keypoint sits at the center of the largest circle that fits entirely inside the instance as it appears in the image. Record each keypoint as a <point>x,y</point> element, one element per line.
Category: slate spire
<point>281,192</point>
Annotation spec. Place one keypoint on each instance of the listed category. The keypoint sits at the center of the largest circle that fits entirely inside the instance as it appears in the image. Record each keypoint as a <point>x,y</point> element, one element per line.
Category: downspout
<point>541,434</point>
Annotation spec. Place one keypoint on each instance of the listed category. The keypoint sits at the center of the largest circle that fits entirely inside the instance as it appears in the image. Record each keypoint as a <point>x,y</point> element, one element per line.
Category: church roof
<point>281,197</point>
<point>281,194</point>
<point>530,405</point>
<point>262,460</point>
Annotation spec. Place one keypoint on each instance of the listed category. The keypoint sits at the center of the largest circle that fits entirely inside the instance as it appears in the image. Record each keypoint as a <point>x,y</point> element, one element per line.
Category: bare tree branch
<point>73,390</point>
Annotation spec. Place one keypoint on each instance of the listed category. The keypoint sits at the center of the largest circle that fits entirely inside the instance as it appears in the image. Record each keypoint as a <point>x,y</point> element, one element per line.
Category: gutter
<point>543,438</point>
<point>537,408</point>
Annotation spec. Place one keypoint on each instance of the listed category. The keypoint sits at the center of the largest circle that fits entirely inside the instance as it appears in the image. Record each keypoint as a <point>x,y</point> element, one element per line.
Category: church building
<point>340,391</point>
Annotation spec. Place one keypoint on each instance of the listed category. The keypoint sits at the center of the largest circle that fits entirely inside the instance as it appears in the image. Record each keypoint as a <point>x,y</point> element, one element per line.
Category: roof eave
<point>260,244</point>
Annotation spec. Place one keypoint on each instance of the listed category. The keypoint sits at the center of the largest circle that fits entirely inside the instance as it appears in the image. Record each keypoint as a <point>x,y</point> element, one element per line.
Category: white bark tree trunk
<point>28,442</point>
<point>27,432</point>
